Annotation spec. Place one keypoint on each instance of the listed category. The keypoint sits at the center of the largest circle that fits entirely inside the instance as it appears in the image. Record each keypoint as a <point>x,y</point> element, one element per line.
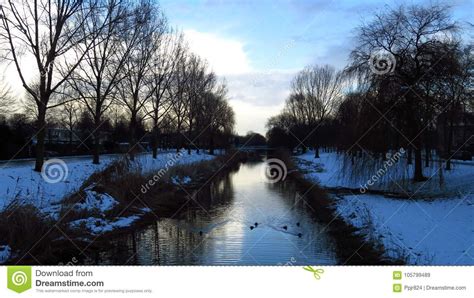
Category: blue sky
<point>259,45</point>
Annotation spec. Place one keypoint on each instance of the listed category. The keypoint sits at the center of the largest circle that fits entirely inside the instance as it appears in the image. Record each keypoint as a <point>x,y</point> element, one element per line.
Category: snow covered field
<point>439,230</point>
<point>22,183</point>
<point>427,232</point>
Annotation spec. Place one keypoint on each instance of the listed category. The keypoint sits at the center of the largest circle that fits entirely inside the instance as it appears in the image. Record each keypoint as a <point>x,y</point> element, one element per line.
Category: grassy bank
<point>351,246</point>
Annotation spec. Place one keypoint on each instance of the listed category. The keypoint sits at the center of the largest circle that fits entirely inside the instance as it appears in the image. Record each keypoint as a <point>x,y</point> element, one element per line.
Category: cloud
<point>225,56</point>
<point>250,118</point>
<point>260,88</point>
<point>256,96</point>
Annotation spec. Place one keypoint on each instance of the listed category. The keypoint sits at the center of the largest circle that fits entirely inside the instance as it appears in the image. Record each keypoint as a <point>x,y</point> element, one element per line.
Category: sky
<point>259,45</point>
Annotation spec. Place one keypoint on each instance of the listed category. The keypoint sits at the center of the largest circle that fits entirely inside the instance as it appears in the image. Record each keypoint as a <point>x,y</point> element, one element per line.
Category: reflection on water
<point>216,231</point>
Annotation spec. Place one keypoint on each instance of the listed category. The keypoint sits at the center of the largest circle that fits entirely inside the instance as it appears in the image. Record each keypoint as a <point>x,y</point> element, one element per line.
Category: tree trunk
<point>211,144</point>
<point>96,136</point>
<point>190,136</point>
<point>41,133</point>
<point>95,158</point>
<point>410,156</point>
<point>154,142</point>
<point>316,151</point>
<point>70,141</point>
<point>154,149</point>
<point>189,144</point>
<point>132,144</point>
<point>449,144</point>
<point>418,174</point>
<point>427,156</point>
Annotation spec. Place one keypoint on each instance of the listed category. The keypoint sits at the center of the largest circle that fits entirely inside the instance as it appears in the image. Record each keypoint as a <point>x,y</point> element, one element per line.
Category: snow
<point>19,181</point>
<point>98,226</point>
<point>5,253</point>
<point>181,180</point>
<point>432,224</point>
<point>148,165</point>
<point>101,202</point>
<point>437,232</point>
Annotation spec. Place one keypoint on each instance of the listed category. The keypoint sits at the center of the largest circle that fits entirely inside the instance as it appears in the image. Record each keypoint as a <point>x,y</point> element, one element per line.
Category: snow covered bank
<point>437,232</point>
<point>82,210</point>
<point>98,226</point>
<point>29,187</point>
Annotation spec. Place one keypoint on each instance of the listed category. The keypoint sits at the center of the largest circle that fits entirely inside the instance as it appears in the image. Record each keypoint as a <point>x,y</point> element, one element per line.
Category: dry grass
<point>25,229</point>
<point>163,197</point>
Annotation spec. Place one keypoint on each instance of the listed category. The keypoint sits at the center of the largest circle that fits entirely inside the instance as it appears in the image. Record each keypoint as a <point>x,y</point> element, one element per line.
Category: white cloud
<point>225,56</point>
<point>252,118</point>
<point>260,88</point>
<point>256,96</point>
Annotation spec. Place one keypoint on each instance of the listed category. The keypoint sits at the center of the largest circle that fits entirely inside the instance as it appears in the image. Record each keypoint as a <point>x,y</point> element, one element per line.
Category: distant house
<point>62,136</point>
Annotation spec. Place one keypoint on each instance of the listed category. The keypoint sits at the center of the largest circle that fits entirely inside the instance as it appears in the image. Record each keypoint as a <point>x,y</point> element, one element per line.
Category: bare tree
<point>98,76</point>
<point>199,83</point>
<point>316,93</point>
<point>219,117</point>
<point>6,100</point>
<point>50,32</point>
<point>165,61</point>
<point>178,95</point>
<point>135,90</point>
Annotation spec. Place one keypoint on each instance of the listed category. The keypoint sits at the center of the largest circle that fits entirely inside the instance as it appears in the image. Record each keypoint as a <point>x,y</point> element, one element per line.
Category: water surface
<point>216,231</point>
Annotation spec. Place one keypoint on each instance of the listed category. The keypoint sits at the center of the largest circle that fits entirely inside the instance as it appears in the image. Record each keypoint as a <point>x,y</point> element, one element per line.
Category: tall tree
<point>135,90</point>
<point>316,92</point>
<point>49,31</point>
<point>165,62</point>
<point>98,76</point>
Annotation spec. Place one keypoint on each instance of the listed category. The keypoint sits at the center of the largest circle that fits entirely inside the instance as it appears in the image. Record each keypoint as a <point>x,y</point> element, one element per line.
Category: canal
<point>240,218</point>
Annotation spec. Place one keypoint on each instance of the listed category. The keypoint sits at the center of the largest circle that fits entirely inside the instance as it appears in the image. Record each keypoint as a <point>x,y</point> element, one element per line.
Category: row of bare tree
<point>409,84</point>
<point>111,53</point>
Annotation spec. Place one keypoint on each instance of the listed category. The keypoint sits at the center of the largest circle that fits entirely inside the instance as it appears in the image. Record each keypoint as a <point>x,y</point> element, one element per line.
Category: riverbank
<point>110,201</point>
<point>433,227</point>
<point>352,247</point>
